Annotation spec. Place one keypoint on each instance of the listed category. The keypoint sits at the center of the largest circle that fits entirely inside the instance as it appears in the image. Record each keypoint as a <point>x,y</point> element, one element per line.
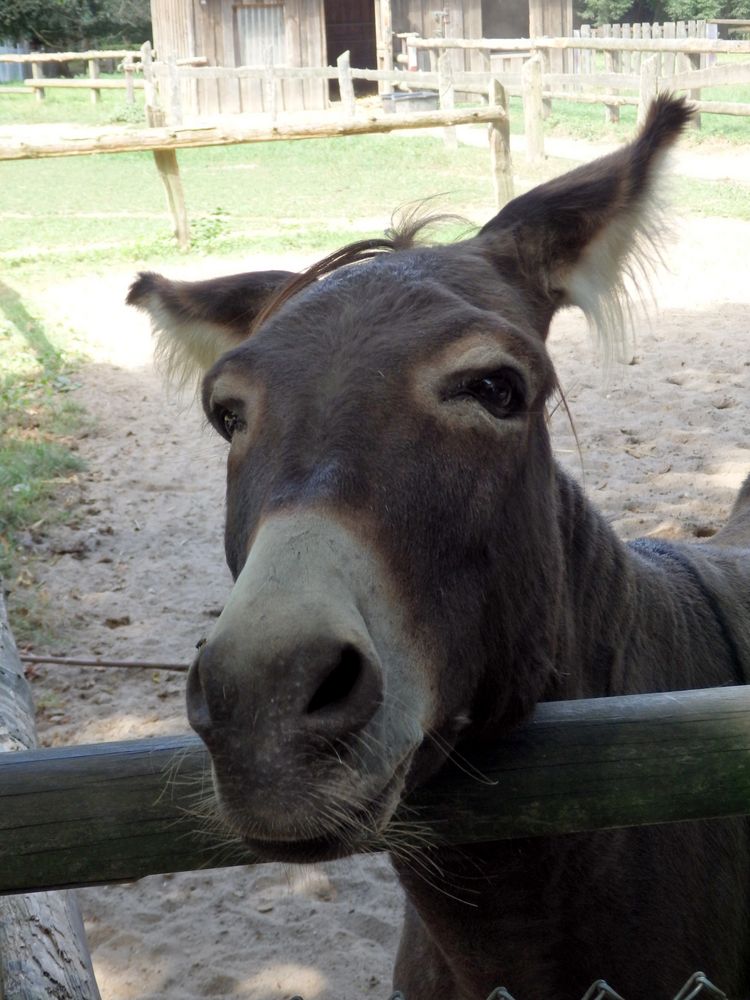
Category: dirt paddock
<point>139,574</point>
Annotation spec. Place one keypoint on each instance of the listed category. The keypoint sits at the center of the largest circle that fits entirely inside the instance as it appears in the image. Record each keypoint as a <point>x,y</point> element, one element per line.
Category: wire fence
<point>696,986</point>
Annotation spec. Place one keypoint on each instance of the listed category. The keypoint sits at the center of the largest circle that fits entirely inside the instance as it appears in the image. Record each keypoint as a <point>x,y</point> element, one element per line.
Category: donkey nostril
<point>339,683</point>
<point>197,706</point>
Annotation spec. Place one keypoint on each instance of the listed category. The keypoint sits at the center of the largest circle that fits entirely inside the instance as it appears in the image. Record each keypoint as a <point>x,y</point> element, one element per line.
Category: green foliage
<point>208,231</point>
<point>681,10</point>
<point>57,25</point>
<point>598,12</point>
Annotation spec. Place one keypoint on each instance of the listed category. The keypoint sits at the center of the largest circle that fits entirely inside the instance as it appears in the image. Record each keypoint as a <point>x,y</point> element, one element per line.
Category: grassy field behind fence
<point>81,215</point>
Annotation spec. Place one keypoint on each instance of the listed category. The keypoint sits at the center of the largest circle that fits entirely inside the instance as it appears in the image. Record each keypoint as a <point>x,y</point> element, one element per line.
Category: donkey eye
<point>500,393</point>
<point>229,422</point>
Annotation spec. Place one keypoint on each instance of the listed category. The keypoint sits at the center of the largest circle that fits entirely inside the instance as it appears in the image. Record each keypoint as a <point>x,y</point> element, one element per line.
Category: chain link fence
<point>696,986</point>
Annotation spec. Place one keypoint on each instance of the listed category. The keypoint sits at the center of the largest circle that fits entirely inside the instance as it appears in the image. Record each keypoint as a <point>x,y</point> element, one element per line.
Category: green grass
<point>278,196</point>
<point>72,213</point>
<point>37,421</point>
<point>69,106</point>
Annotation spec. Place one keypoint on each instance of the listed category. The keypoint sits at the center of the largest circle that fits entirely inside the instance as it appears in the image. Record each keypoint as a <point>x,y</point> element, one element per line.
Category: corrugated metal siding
<point>11,71</point>
<point>258,27</point>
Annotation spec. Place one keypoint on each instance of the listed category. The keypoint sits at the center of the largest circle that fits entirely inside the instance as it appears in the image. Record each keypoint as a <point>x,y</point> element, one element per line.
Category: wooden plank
<point>614,100</point>
<point>169,172</point>
<point>668,58</point>
<point>649,88</point>
<point>93,65</point>
<point>313,50</point>
<point>533,112</point>
<point>612,66</point>
<point>656,32</point>
<point>546,68</point>
<point>346,86</point>
<point>613,80</point>
<point>43,950</point>
<point>84,815</point>
<point>127,140</point>
<point>61,83</point>
<point>586,56</point>
<point>724,108</point>
<point>174,116</point>
<point>635,59</point>
<point>294,96</point>
<point>270,105</point>
<point>597,44</point>
<point>499,135</point>
<point>695,93</point>
<point>36,72</point>
<point>447,97</point>
<point>385,27</point>
<point>129,69</point>
<point>40,57</point>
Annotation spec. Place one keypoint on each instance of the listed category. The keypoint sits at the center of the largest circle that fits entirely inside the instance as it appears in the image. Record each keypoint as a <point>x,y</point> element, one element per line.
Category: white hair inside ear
<point>612,280</point>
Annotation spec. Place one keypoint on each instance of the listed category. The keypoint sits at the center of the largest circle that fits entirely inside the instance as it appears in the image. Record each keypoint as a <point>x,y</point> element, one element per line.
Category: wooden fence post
<point>36,73</point>
<point>447,96</point>
<point>169,171</point>
<point>386,40</point>
<point>94,75</point>
<point>166,159</point>
<point>626,58</point>
<point>128,69</point>
<point>149,85</point>
<point>175,93</point>
<point>269,85</point>
<point>613,64</point>
<point>346,85</point>
<point>668,62</point>
<point>635,58</point>
<point>499,130</point>
<point>544,55</point>
<point>695,60</point>
<point>586,56</point>
<point>43,950</point>
<point>533,111</point>
<point>649,87</point>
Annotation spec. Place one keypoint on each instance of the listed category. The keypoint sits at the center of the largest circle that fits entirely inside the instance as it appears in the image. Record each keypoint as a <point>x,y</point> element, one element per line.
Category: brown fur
<point>414,573</point>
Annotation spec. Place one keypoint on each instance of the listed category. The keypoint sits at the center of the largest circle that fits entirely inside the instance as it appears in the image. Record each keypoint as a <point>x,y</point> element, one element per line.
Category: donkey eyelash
<point>502,391</point>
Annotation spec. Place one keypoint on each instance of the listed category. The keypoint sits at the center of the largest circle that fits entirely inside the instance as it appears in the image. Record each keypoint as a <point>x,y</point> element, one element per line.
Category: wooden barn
<point>312,33</point>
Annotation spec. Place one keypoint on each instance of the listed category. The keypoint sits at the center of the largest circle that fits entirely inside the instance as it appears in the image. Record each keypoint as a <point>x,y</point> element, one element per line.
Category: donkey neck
<point>640,617</point>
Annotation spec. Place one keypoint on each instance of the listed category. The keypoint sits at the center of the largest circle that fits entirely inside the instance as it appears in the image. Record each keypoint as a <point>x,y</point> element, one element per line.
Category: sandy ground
<point>665,442</point>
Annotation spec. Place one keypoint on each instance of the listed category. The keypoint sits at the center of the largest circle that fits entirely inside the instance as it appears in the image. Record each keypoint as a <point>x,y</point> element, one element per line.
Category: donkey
<point>414,572</point>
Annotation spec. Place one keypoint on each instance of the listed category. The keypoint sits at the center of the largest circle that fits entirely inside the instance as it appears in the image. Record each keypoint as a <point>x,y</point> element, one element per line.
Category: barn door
<point>350,24</point>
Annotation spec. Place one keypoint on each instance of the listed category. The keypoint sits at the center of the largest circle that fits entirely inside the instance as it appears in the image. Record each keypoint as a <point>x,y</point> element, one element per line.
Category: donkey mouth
<point>363,828</point>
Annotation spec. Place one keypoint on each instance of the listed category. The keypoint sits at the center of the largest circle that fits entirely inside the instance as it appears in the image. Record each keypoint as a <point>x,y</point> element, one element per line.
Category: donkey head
<point>392,520</point>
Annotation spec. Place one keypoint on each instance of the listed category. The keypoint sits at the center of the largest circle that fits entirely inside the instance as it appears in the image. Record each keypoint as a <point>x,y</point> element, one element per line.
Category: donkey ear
<point>575,238</point>
<point>195,322</point>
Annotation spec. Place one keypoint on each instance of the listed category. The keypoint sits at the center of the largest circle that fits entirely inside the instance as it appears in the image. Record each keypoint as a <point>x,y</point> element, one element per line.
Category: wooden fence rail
<point>43,950</point>
<point>48,57</point>
<point>39,83</point>
<point>163,143</point>
<point>109,812</point>
<point>686,45</point>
